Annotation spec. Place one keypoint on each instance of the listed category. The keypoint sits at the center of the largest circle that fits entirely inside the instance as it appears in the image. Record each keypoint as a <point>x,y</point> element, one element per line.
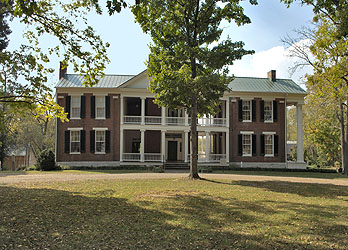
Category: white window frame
<point>95,140</point>
<point>250,134</point>
<point>78,130</point>
<point>272,135</point>
<point>103,106</point>
<point>78,106</point>
<point>250,110</point>
<point>264,111</point>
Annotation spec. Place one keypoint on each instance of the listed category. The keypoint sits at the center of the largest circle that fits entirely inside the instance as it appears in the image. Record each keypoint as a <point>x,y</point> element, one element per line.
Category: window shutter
<point>67,141</point>
<point>83,141</point>
<point>240,110</point>
<point>67,105</point>
<point>92,141</point>
<point>107,141</point>
<point>262,111</point>
<point>275,111</point>
<point>107,106</point>
<point>276,144</point>
<point>240,145</point>
<point>254,145</point>
<point>262,141</point>
<point>92,106</point>
<point>253,102</point>
<point>83,107</point>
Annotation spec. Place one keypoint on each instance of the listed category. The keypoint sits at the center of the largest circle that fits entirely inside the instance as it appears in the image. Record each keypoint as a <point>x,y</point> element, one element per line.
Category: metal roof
<point>108,81</point>
<point>239,84</point>
<point>253,84</point>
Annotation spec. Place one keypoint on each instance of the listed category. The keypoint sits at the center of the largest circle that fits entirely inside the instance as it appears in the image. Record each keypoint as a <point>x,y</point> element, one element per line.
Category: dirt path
<point>8,179</point>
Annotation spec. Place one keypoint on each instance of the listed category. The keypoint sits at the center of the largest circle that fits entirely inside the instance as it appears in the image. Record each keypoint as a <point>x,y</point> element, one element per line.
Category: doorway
<point>172,150</point>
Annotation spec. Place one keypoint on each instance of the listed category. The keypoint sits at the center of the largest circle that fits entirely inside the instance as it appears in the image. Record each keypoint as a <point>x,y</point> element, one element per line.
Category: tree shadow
<point>52,219</point>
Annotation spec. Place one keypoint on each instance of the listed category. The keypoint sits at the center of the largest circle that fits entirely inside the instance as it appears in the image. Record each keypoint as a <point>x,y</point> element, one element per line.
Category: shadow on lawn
<point>47,218</point>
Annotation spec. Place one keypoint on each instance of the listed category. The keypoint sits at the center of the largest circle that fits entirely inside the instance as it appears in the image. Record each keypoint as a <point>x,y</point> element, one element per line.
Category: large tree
<point>187,65</point>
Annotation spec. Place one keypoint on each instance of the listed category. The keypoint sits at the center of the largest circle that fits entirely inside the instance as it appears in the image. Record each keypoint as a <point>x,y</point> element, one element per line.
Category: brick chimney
<point>62,70</point>
<point>272,75</point>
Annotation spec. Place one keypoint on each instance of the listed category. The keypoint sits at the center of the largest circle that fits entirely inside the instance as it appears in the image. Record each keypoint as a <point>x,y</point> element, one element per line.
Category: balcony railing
<point>213,122</point>
<point>131,119</point>
<point>175,121</point>
<point>131,156</point>
<point>212,157</point>
<point>153,120</point>
<point>152,156</point>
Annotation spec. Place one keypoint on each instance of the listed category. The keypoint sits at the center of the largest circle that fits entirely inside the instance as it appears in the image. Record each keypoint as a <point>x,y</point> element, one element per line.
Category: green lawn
<point>173,214</point>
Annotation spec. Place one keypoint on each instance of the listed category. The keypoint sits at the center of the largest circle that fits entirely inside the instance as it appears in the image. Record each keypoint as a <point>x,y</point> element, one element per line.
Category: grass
<point>173,214</point>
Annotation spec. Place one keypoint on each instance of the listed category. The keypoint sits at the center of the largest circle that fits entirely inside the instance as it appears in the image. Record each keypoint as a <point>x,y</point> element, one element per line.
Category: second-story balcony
<point>144,111</point>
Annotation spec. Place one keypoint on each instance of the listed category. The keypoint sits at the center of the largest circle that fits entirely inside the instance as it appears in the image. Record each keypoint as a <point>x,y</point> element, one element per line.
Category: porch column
<point>163,145</point>
<point>122,109</point>
<point>207,146</point>
<point>228,113</point>
<point>143,110</point>
<point>121,144</point>
<point>299,133</point>
<point>186,145</point>
<point>163,116</point>
<point>142,145</point>
<point>227,139</point>
<point>186,118</point>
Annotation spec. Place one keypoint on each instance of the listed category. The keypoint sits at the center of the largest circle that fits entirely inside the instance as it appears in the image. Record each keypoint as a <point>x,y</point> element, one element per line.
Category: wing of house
<point>117,123</point>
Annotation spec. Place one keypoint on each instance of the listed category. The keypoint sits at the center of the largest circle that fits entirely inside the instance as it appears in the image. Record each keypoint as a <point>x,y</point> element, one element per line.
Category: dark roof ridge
<point>255,77</point>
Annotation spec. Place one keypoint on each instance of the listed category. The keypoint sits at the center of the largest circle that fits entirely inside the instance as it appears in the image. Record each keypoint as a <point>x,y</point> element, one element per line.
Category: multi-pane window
<point>100,106</point>
<point>100,141</point>
<point>75,106</point>
<point>246,142</point>
<point>246,108</point>
<point>268,111</point>
<point>75,141</point>
<point>269,145</point>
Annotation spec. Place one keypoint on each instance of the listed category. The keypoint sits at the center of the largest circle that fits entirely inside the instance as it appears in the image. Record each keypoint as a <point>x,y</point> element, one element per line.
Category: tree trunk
<point>344,153</point>
<point>194,142</point>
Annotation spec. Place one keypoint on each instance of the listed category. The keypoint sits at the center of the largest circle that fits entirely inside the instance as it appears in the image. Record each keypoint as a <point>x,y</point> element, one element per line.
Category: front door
<point>172,150</point>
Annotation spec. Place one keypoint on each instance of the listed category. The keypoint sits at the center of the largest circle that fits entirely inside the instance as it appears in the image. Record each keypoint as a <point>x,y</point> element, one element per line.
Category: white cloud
<point>261,62</point>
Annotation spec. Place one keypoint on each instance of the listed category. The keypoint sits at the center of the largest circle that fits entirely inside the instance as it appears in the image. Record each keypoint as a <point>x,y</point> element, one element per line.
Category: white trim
<point>251,109</point>
<point>251,144</point>
<point>272,111</point>
<point>246,132</point>
<point>75,129</point>
<point>75,153</point>
<point>60,97</point>
<point>101,129</point>
<point>269,133</point>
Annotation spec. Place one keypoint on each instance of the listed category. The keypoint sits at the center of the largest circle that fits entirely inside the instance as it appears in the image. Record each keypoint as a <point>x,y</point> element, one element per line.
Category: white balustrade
<point>175,121</point>
<point>212,158</point>
<point>153,120</point>
<point>131,156</point>
<point>131,119</point>
<point>152,157</point>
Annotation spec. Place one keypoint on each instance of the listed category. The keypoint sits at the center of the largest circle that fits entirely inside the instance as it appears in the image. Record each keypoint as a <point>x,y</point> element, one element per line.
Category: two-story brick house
<point>116,123</point>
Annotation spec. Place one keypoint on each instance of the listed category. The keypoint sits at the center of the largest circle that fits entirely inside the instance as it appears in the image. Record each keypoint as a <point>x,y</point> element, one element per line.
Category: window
<point>75,141</point>
<point>100,141</point>
<point>268,111</point>
<point>246,142</point>
<point>268,145</point>
<point>100,106</point>
<point>75,106</point>
<point>246,108</point>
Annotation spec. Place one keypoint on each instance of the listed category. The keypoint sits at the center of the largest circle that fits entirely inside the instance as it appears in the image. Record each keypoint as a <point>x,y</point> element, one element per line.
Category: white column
<point>122,109</point>
<point>186,144</point>
<point>227,146</point>
<point>142,145</point>
<point>143,110</point>
<point>163,145</point>
<point>163,116</point>
<point>207,146</point>
<point>121,144</point>
<point>186,118</point>
<point>299,133</point>
<point>228,113</point>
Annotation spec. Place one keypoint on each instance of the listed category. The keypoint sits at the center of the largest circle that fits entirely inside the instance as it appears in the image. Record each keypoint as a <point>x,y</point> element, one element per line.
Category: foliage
<point>46,161</point>
<point>174,214</point>
<point>187,65</point>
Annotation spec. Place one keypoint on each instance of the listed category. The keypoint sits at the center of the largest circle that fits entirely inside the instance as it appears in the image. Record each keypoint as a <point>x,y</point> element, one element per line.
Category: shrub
<point>31,168</point>
<point>46,161</point>
<point>158,169</point>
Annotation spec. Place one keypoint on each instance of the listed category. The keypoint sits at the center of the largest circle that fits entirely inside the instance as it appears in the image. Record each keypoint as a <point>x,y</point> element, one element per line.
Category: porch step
<point>176,166</point>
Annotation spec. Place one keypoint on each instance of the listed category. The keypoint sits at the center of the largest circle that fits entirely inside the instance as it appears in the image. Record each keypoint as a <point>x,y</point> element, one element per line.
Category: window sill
<point>75,118</point>
<point>100,118</point>
<point>269,155</point>
<point>100,153</point>
<point>246,155</point>
<point>268,121</point>
<point>75,153</point>
<point>246,121</point>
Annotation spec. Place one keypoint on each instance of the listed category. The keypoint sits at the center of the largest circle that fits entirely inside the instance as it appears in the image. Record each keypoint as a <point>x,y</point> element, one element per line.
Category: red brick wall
<point>258,127</point>
<point>88,123</point>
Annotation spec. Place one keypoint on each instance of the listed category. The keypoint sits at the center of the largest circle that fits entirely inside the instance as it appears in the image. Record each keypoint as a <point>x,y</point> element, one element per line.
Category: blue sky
<point>271,21</point>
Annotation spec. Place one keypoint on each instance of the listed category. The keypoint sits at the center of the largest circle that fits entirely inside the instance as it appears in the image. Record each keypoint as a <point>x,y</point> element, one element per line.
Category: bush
<point>46,161</point>
<point>158,169</point>
<point>31,168</point>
